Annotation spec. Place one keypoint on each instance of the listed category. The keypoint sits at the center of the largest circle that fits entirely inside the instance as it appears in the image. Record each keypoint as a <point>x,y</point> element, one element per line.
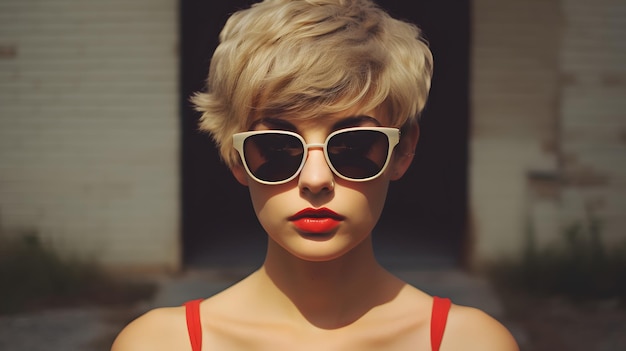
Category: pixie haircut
<point>305,59</point>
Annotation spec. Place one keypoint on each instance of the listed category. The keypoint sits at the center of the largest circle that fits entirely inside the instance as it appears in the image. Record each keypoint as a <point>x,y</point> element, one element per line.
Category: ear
<point>403,155</point>
<point>240,174</point>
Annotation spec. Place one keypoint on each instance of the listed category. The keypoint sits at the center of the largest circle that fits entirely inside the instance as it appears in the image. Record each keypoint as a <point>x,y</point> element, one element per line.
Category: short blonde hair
<point>310,58</point>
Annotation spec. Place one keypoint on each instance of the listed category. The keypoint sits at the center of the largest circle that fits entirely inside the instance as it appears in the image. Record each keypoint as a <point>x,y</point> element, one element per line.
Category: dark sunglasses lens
<point>273,157</point>
<point>358,154</point>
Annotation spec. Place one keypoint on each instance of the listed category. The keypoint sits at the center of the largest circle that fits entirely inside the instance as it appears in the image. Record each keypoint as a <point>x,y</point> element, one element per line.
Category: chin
<point>322,249</point>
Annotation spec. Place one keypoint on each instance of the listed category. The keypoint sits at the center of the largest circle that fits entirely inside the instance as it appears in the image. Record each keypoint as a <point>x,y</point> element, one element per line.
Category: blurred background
<point>519,175</point>
<point>424,220</point>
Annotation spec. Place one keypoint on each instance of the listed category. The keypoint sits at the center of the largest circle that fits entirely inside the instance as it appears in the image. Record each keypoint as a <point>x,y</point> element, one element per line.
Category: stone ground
<point>557,324</point>
<point>538,324</point>
<point>77,329</point>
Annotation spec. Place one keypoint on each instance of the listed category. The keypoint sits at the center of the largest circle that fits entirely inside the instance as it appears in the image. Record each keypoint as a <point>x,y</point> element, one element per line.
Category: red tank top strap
<point>194,327</point>
<point>439,317</point>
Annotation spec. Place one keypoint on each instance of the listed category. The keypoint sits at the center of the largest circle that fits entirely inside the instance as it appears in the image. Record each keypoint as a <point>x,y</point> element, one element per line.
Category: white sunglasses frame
<point>393,138</point>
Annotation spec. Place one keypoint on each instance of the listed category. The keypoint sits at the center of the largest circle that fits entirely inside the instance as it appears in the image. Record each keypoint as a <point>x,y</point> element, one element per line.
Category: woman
<point>314,106</point>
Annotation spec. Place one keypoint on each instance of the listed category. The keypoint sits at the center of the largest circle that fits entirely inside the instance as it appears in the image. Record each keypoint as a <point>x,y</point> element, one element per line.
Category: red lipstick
<point>320,220</point>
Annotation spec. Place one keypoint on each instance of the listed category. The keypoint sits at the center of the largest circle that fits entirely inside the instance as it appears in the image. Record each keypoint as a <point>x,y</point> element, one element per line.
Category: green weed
<point>34,276</point>
<point>579,267</point>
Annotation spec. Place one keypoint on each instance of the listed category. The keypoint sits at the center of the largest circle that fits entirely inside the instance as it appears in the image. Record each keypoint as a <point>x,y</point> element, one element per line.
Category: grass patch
<point>580,267</point>
<point>33,276</point>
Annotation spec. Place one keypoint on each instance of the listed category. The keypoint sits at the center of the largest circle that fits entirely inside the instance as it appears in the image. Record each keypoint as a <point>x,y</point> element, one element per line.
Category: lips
<point>321,220</point>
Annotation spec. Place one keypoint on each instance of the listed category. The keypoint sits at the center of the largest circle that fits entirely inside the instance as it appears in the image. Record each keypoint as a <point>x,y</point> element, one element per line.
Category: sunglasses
<point>356,154</point>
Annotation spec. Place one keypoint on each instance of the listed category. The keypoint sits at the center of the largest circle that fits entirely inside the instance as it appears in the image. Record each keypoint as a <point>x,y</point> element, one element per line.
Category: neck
<point>325,292</point>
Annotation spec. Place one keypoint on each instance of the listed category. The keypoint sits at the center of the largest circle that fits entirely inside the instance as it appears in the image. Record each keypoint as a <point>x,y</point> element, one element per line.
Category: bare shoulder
<point>158,329</point>
<point>472,329</point>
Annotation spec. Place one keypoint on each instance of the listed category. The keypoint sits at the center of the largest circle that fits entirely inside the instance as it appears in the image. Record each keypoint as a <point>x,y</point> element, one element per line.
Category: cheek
<point>269,201</point>
<point>377,199</point>
<point>365,200</point>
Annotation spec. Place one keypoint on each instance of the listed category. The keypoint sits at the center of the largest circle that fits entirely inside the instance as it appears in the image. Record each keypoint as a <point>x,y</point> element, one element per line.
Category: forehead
<point>338,120</point>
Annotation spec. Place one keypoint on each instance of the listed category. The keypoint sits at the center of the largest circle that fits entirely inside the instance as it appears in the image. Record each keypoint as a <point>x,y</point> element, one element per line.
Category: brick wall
<point>593,115</point>
<point>548,125</point>
<point>513,122</point>
<point>89,136</point>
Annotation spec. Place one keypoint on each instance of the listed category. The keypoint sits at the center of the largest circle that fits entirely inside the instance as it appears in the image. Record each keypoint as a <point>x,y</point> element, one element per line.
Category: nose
<point>316,176</point>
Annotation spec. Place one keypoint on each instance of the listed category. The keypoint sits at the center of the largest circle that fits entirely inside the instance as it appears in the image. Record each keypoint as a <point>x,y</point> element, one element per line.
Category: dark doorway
<point>424,221</point>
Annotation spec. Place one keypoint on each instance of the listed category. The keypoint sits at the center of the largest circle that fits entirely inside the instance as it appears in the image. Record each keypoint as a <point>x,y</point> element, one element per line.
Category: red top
<point>438,319</point>
<point>194,327</point>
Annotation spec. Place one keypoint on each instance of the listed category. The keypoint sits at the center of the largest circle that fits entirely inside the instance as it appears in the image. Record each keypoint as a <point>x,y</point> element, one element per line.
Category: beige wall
<point>547,121</point>
<point>89,136</point>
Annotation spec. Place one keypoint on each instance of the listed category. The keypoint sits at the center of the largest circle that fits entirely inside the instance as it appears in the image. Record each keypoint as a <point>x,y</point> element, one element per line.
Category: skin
<point>322,292</point>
